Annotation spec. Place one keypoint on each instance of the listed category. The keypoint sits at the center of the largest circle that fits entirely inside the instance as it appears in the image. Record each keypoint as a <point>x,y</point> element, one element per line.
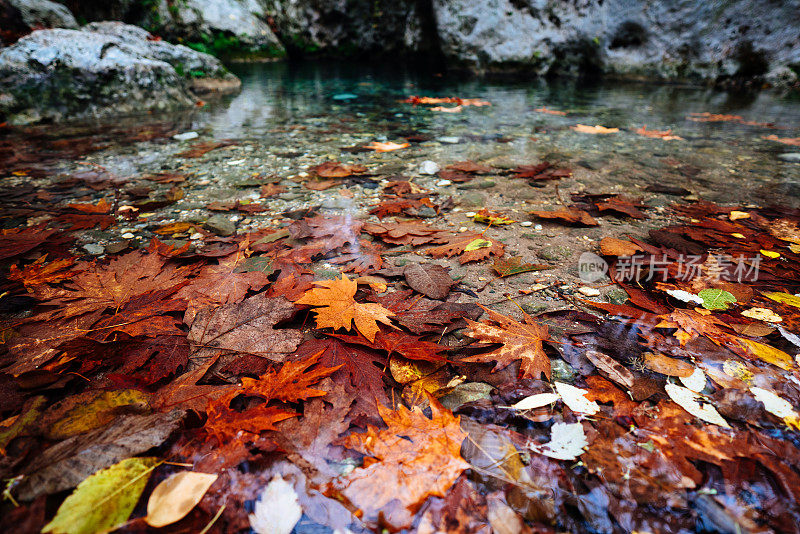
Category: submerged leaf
<point>175,497</point>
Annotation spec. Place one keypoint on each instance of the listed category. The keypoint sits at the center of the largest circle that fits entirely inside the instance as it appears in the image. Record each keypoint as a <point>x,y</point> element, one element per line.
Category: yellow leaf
<point>770,253</point>
<point>763,314</point>
<point>738,236</point>
<point>477,244</point>
<point>736,215</point>
<point>767,353</point>
<point>594,129</point>
<point>175,497</point>
<point>784,298</point>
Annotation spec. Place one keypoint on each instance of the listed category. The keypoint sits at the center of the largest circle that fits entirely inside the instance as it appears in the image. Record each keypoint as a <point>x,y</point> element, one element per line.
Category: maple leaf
<point>396,206</point>
<point>521,341</point>
<point>792,141</point>
<point>568,215</point>
<point>400,343</point>
<point>469,247</point>
<point>199,149</point>
<point>39,272</point>
<point>361,259</point>
<point>622,205</point>
<point>332,231</point>
<point>422,316</point>
<point>143,315</point>
<point>110,286</point>
<point>362,368</point>
<point>271,190</point>
<point>221,284</point>
<point>514,265</point>
<point>291,383</point>
<point>410,460</point>
<point>470,167</point>
<point>705,116</point>
<point>340,310</point>
<point>15,242</point>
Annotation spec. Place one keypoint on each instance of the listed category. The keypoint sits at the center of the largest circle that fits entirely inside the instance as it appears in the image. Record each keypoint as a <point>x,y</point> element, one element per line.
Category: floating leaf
<point>105,500</point>
<point>567,441</point>
<point>716,299</point>
<point>575,399</point>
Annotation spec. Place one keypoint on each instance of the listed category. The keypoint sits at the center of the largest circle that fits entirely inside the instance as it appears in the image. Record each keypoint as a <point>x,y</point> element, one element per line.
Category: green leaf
<point>105,500</point>
<point>716,299</point>
<point>476,244</point>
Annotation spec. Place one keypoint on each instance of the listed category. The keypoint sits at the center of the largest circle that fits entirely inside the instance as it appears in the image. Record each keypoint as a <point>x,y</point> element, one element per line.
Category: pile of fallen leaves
<point>227,387</point>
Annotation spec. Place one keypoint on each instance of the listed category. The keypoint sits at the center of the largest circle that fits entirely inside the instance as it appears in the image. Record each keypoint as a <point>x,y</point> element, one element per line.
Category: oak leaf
<point>521,341</point>
<point>338,308</point>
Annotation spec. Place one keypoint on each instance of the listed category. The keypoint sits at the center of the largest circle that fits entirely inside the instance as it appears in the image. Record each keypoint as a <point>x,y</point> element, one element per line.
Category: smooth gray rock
<point>792,157</point>
<point>203,20</point>
<point>220,225</point>
<point>106,69</point>
<point>694,40</point>
<point>44,14</point>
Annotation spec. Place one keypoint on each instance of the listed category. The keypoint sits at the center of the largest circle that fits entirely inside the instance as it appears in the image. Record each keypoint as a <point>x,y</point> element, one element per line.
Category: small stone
<point>537,227</point>
<point>463,229</point>
<point>526,223</point>
<point>220,225</point>
<point>429,167</point>
<point>443,183</point>
<point>792,157</point>
<point>196,235</point>
<point>94,249</point>
<point>186,136</point>
<point>470,214</point>
<point>485,184</point>
<point>589,291</point>
<point>128,235</point>
<point>449,140</point>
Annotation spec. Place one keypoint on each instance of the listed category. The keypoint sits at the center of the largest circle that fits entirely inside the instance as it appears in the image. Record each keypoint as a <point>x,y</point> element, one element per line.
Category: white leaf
<point>684,296</point>
<point>574,398</point>
<point>536,401</point>
<point>277,510</point>
<point>773,403</point>
<point>695,381</point>
<point>567,441</point>
<point>687,399</point>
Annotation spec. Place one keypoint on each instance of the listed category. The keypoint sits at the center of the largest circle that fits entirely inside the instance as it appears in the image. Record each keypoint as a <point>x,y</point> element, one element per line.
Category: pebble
<point>186,136</point>
<point>429,167</point>
<point>220,225</point>
<point>793,157</point>
<point>449,140</point>
<point>196,235</point>
<point>537,227</point>
<point>589,291</point>
<point>443,183</point>
<point>470,214</point>
<point>463,229</point>
<point>94,249</point>
<point>526,223</point>
<point>128,235</point>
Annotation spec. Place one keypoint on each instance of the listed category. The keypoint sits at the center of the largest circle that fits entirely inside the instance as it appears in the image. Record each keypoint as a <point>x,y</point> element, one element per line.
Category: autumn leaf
<point>101,207</point>
<point>336,169</point>
<point>412,459</point>
<point>291,383</point>
<point>401,344</point>
<point>386,147</point>
<point>338,308</point>
<point>521,341</point>
<point>567,215</point>
<point>248,327</point>
<point>493,219</point>
<point>792,141</point>
<point>664,135</point>
<point>514,265</point>
<point>39,272</point>
<point>412,233</point>
<point>544,109</point>
<point>468,247</point>
<point>582,128</point>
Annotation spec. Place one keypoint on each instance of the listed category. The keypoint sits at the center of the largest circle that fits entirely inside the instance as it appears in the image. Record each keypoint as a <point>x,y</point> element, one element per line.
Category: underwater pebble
<point>94,249</point>
<point>186,136</point>
<point>537,227</point>
<point>128,235</point>
<point>448,140</point>
<point>589,291</point>
<point>443,183</point>
<point>429,167</point>
<point>470,214</point>
<point>526,223</point>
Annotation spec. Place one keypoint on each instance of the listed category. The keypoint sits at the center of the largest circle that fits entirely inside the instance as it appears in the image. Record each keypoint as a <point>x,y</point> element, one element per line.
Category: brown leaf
<point>521,341</point>
<point>336,169</point>
<point>611,246</point>
<point>248,327</point>
<point>468,247</point>
<point>568,215</point>
<point>433,281</point>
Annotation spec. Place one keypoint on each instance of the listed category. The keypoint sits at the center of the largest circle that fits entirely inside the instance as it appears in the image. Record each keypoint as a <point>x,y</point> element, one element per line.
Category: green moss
<point>228,46</point>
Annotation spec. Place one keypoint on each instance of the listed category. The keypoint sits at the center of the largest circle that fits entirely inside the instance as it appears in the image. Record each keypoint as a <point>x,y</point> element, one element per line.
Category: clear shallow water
<point>294,104</point>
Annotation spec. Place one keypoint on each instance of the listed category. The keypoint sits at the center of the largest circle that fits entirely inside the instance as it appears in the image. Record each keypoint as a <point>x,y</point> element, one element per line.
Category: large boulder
<point>225,27</point>
<point>44,14</point>
<point>348,27</point>
<point>108,69</point>
<point>693,40</point>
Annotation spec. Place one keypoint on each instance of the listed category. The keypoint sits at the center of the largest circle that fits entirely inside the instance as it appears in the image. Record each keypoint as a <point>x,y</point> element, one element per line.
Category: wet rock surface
<point>106,69</point>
